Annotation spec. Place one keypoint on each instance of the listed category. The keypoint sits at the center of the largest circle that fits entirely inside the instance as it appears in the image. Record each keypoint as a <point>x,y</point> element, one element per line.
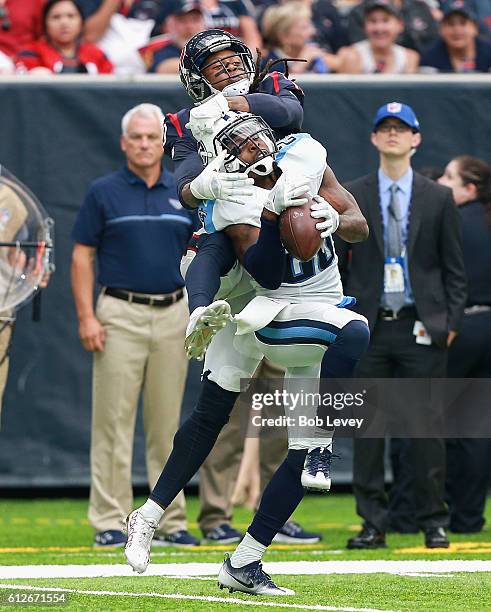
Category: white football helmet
<point>248,140</point>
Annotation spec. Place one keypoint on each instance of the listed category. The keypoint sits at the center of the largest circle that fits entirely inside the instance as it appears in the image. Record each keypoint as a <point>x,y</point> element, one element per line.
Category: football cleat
<point>293,533</point>
<point>316,473</point>
<point>140,536</point>
<point>250,579</point>
<point>204,323</point>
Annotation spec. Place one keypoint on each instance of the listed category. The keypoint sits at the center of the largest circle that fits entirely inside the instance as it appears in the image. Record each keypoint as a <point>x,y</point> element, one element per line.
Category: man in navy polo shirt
<point>132,222</point>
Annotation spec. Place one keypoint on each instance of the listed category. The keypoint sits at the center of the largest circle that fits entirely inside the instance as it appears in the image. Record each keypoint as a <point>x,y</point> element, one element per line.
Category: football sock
<point>248,551</point>
<point>280,498</point>
<point>215,257</point>
<point>341,357</point>
<point>194,441</point>
<point>265,261</point>
<point>151,512</point>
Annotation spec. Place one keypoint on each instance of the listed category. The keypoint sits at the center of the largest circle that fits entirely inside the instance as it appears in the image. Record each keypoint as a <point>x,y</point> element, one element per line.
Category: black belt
<point>161,301</point>
<point>387,314</point>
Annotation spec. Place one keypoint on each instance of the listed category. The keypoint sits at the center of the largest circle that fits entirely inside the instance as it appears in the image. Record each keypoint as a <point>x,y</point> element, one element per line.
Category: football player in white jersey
<point>299,335</point>
<point>302,160</point>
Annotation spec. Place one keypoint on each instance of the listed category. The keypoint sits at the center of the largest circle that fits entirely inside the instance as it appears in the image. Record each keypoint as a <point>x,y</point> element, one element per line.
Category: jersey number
<point>300,271</point>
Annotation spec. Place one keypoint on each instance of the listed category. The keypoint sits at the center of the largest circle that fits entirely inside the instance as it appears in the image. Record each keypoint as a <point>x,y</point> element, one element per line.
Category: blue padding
<point>346,302</point>
<point>299,331</point>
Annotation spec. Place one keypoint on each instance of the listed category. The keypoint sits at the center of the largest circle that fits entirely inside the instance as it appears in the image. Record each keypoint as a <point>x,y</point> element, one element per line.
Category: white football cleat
<point>204,323</point>
<point>140,535</point>
<point>316,473</point>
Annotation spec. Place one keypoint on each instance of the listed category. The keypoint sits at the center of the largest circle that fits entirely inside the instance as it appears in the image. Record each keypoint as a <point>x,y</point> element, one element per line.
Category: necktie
<point>395,300</point>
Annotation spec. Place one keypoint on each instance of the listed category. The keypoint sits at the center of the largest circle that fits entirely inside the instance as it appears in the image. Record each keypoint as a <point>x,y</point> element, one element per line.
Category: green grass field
<point>55,533</point>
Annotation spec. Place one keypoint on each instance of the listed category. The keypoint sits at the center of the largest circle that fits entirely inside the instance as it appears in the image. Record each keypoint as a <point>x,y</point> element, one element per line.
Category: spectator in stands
<point>120,28</point>
<point>459,48</point>
<point>469,460</point>
<point>408,275</point>
<point>379,52</point>
<point>61,51</point>
<point>236,17</point>
<point>420,28</point>
<point>185,19</point>
<point>131,220</point>
<point>20,24</point>
<point>330,33</point>
<point>288,32</point>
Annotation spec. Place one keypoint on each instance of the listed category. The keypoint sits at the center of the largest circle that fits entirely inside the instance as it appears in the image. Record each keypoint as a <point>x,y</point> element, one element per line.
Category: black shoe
<point>249,579</point>
<point>369,537</point>
<point>436,537</point>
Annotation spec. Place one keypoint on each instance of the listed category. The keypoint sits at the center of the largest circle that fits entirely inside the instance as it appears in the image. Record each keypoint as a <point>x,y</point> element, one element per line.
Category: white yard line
<point>209,599</point>
<point>8,572</point>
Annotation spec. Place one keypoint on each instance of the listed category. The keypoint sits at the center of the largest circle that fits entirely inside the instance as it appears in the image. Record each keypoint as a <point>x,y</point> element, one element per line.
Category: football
<point>298,233</point>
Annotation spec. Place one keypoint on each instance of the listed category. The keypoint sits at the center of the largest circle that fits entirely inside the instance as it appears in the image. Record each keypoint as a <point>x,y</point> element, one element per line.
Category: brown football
<point>298,233</point>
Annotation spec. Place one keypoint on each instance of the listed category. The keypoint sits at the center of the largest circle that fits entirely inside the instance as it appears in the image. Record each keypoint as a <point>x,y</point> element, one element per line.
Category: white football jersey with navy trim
<point>318,279</point>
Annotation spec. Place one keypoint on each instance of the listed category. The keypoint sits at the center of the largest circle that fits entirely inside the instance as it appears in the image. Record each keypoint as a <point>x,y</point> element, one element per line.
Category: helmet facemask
<point>250,144</point>
<point>194,58</point>
<point>242,77</point>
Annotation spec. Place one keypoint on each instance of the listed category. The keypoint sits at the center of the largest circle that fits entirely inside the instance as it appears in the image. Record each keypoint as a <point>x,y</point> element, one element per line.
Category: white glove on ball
<point>286,193</point>
<point>212,184</point>
<point>322,209</point>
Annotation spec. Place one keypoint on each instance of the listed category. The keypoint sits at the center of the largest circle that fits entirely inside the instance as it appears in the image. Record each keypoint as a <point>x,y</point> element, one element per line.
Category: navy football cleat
<point>316,474</point>
<point>250,579</point>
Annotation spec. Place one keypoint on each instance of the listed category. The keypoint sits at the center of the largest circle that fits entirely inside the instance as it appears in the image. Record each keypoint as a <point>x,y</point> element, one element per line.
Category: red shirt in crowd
<point>25,20</point>
<point>89,59</point>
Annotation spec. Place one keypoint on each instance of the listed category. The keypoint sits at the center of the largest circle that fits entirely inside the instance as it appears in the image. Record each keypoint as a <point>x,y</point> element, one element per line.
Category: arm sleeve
<point>186,171</point>
<point>265,261</point>
<point>280,111</point>
<point>452,261</point>
<point>89,224</point>
<point>214,258</point>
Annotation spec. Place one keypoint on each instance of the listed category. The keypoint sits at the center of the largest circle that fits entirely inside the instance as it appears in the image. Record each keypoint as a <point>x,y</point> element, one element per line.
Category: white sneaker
<point>316,474</point>
<point>140,535</point>
<point>204,323</point>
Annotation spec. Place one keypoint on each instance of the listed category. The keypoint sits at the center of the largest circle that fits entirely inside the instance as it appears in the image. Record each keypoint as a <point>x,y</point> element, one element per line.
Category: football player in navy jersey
<point>214,61</point>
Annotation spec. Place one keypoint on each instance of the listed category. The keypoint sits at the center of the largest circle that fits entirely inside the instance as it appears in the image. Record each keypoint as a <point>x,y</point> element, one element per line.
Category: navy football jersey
<point>283,120</point>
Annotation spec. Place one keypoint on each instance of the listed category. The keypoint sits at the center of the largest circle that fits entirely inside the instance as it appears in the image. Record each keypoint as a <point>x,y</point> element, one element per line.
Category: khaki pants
<point>144,351</point>
<point>218,473</point>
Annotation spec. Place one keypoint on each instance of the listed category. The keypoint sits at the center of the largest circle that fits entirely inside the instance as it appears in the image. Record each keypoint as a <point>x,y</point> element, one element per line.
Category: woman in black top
<point>469,460</point>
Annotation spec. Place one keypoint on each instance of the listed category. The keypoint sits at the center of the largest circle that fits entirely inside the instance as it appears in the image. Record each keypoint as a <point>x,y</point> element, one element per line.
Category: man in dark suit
<point>409,280</point>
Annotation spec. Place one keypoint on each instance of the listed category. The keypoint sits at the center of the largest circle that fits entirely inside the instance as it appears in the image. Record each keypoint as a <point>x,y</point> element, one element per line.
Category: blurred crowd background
<point>319,36</point>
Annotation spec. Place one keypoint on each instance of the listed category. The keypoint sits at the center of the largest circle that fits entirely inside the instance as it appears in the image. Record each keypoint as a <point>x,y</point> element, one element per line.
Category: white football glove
<point>322,209</point>
<point>286,193</point>
<point>212,184</point>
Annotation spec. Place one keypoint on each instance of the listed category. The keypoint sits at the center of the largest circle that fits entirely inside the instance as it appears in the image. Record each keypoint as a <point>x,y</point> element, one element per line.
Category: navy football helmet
<point>195,54</point>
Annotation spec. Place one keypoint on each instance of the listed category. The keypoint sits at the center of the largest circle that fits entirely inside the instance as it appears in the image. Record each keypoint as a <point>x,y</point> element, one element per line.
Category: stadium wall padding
<point>58,135</point>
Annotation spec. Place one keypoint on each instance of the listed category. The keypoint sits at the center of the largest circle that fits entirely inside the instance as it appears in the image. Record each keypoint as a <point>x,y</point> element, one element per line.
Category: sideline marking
<point>455,547</point>
<point>208,598</point>
<point>8,572</point>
